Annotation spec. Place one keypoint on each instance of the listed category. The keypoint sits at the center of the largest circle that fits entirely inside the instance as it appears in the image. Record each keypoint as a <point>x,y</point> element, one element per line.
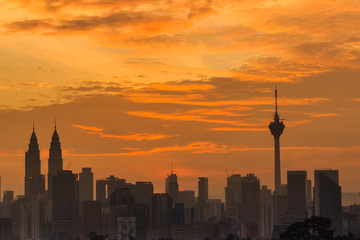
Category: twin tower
<point>34,181</point>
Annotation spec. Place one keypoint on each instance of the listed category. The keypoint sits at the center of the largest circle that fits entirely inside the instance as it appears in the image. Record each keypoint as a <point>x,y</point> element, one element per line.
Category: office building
<point>65,204</point>
<point>327,198</point>
<point>203,190</point>
<point>86,185</point>
<point>296,194</point>
<point>250,203</point>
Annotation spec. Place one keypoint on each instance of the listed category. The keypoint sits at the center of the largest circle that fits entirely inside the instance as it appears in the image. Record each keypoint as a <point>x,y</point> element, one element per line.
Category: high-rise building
<point>34,181</point>
<point>296,200</point>
<point>276,128</point>
<point>65,204</point>
<point>86,185</point>
<point>172,186</point>
<point>39,215</point>
<point>91,218</point>
<point>233,195</point>
<point>187,197</point>
<point>203,189</point>
<point>0,189</point>
<point>106,187</point>
<point>266,218</point>
<point>55,163</point>
<point>161,216</point>
<point>250,200</point>
<point>121,203</point>
<point>213,209</point>
<point>327,198</point>
<point>142,192</point>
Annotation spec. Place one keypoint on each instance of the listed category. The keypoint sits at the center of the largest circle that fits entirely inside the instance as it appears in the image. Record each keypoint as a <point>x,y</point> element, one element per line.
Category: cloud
<point>181,87</point>
<point>185,117</point>
<point>212,148</point>
<point>228,129</point>
<point>130,137</point>
<point>320,115</point>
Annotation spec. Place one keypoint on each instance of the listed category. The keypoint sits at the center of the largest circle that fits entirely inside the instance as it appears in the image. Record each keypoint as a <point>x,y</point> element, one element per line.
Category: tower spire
<point>276,108</point>
<point>33,125</point>
<point>276,114</point>
<point>171,167</point>
<point>55,122</point>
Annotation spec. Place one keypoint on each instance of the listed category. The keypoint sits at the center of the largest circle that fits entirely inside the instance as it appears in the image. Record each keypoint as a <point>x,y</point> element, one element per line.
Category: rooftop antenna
<point>276,115</point>
<point>33,125</point>
<point>276,108</point>
<point>55,123</point>
<point>171,167</point>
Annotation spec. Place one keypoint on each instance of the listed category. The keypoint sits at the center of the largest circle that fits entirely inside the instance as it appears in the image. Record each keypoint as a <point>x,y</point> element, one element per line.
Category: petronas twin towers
<point>34,181</point>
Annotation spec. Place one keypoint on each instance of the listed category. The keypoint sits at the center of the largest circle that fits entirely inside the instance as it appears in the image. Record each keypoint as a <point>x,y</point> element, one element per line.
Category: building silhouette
<point>276,128</point>
<point>91,218</point>
<point>203,190</point>
<point>296,194</point>
<point>233,195</point>
<point>34,181</point>
<point>172,186</point>
<point>123,210</point>
<point>106,187</point>
<point>65,205</point>
<point>86,185</point>
<point>161,216</point>
<point>250,203</point>
<point>266,213</point>
<point>327,198</point>
<point>55,163</point>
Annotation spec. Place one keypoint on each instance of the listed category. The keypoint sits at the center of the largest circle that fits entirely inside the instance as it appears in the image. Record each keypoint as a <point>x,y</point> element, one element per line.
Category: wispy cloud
<point>228,129</point>
<point>129,137</point>
<point>212,148</point>
<point>186,117</point>
<point>321,115</point>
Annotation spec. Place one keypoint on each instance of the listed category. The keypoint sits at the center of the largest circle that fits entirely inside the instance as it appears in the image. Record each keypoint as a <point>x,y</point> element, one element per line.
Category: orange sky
<point>137,84</point>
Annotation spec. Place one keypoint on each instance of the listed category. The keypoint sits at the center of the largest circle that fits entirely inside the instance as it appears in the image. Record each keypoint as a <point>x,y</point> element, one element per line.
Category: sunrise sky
<point>138,84</point>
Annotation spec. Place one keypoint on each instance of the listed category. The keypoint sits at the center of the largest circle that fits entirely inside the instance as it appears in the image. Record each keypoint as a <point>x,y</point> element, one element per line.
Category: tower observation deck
<point>276,128</point>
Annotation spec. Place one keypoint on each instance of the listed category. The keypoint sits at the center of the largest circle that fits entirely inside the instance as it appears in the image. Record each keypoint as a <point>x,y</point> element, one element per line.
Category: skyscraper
<point>327,198</point>
<point>161,216</point>
<point>172,186</point>
<point>55,159</point>
<point>250,204</point>
<point>276,128</point>
<point>233,195</point>
<point>203,187</point>
<point>86,185</point>
<point>91,218</point>
<point>65,205</point>
<point>34,181</point>
<point>296,200</point>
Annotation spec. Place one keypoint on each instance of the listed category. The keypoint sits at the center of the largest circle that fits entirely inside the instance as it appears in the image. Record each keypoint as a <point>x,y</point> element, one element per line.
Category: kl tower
<point>276,128</point>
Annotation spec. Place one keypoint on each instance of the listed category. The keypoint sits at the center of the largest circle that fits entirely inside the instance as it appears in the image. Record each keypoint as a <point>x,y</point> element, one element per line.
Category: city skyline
<point>171,170</point>
<point>123,210</point>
